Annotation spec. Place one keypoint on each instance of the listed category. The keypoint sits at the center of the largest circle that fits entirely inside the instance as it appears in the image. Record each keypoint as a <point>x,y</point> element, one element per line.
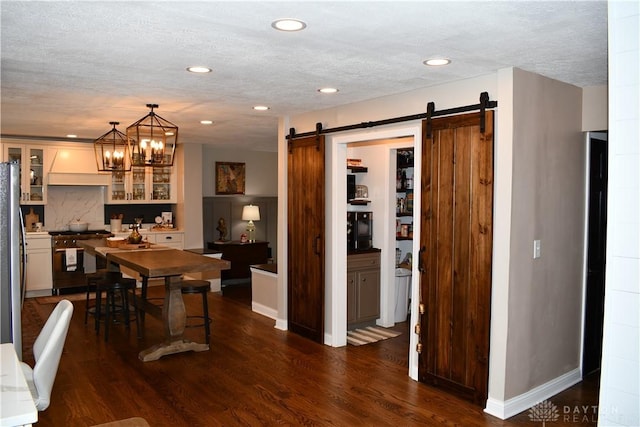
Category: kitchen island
<point>159,261</point>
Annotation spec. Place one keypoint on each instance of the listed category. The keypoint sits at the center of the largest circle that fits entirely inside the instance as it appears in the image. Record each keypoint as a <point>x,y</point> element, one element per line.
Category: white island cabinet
<point>39,272</point>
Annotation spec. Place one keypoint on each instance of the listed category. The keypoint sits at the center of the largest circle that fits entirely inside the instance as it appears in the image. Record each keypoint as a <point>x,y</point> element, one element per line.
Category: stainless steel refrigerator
<point>12,256</point>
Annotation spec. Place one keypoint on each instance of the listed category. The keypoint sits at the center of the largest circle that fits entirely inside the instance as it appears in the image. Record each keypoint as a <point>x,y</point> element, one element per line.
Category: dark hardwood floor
<point>253,374</point>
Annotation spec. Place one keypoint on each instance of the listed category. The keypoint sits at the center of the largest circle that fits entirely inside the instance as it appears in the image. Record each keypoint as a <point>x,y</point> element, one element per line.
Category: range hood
<point>75,166</point>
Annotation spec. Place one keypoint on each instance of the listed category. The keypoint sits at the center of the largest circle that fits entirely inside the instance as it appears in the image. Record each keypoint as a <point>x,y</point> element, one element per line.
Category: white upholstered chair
<point>47,351</point>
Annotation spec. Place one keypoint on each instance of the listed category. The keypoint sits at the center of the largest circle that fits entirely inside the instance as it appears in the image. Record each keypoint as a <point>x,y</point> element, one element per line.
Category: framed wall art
<point>230,178</point>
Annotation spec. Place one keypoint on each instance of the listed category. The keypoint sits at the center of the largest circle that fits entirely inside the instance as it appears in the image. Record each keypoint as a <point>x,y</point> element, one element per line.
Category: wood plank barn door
<point>306,218</point>
<point>455,256</point>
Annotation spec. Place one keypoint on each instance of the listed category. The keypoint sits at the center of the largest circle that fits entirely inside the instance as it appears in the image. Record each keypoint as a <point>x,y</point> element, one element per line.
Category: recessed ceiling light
<point>436,62</point>
<point>199,69</point>
<point>288,24</point>
<point>328,90</point>
<point>72,136</point>
<point>206,122</point>
<point>260,108</point>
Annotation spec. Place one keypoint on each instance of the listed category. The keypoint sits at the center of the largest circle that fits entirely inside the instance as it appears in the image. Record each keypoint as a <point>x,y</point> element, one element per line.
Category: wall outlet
<point>536,249</point>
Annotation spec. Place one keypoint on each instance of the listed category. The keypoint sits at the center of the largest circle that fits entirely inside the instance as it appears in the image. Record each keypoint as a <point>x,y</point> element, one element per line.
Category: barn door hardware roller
<point>292,135</point>
<point>482,106</point>
<point>318,132</point>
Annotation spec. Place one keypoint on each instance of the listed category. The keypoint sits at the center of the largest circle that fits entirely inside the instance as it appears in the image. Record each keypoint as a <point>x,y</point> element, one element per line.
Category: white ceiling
<point>71,67</point>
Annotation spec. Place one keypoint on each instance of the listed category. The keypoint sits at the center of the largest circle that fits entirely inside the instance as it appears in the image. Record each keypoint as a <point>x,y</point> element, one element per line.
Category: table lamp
<point>251,213</point>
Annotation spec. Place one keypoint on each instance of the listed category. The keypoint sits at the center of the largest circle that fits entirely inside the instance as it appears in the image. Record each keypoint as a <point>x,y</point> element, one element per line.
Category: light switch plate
<point>536,249</point>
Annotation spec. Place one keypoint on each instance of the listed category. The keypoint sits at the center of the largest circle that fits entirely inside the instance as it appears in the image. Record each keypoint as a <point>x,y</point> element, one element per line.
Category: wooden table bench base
<point>174,317</point>
<point>157,351</point>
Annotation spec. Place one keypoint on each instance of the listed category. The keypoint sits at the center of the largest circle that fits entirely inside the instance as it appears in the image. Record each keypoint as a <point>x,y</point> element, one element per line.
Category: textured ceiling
<point>71,67</point>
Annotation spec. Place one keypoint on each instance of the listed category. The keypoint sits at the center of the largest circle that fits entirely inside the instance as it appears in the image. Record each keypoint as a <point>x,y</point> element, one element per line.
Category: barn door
<point>305,212</point>
<point>455,259</point>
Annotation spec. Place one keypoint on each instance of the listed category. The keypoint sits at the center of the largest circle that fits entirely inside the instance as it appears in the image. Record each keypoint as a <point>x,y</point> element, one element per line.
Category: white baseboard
<point>38,293</point>
<point>282,324</point>
<point>264,310</point>
<point>515,405</point>
<point>329,341</point>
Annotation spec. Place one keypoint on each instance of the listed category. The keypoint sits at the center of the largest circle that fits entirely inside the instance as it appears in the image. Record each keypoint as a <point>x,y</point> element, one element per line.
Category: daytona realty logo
<point>546,411</point>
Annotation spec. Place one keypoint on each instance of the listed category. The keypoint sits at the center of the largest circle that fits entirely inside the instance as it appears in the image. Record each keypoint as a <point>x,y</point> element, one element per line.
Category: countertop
<point>38,234</point>
<point>124,231</point>
<point>16,404</point>
<point>204,251</point>
<point>363,251</point>
<point>148,230</point>
<point>269,268</point>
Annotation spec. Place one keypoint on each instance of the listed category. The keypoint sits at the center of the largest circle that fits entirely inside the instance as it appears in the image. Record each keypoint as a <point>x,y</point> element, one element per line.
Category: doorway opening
<point>596,252</point>
<point>378,152</point>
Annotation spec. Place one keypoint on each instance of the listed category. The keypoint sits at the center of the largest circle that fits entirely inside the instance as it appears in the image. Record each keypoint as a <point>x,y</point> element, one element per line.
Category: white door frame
<point>336,244</point>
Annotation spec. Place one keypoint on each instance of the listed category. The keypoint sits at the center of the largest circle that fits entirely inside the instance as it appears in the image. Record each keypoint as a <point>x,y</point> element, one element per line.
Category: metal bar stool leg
<point>109,308</point>
<point>205,315</point>
<point>136,313</point>
<point>98,311</point>
<point>124,297</point>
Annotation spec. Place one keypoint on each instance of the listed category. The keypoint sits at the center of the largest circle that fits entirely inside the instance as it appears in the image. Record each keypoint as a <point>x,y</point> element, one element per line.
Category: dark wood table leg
<point>143,295</point>
<point>174,316</point>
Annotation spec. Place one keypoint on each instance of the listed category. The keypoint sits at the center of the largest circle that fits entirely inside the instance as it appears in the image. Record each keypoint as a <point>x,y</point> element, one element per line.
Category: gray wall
<point>548,193</point>
<point>201,209</point>
<point>261,170</point>
<point>230,208</point>
<point>261,189</point>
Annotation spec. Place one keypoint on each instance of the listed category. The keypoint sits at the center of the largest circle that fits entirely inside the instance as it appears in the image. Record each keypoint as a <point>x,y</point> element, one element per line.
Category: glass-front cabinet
<point>163,188</point>
<point>143,185</point>
<point>33,162</point>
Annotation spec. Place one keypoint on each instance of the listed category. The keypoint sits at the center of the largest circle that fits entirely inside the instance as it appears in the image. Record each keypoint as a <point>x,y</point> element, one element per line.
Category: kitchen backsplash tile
<point>67,203</point>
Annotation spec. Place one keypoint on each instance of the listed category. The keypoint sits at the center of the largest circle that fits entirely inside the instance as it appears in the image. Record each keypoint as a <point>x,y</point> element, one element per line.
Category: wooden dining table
<point>159,261</point>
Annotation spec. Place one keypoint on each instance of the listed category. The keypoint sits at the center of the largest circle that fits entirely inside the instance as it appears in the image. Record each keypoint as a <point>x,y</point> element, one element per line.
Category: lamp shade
<point>112,151</point>
<point>152,140</point>
<point>250,213</point>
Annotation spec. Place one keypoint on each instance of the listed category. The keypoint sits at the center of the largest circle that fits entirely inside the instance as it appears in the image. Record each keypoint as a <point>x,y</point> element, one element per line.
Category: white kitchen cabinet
<point>34,163</point>
<point>143,185</point>
<point>39,272</point>
<point>171,239</point>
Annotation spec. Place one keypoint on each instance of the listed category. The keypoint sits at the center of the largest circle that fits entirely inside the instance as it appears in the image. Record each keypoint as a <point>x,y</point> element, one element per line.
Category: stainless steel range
<point>68,258</point>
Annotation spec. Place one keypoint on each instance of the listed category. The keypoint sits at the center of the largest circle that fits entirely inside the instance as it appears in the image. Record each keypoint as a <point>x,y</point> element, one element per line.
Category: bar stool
<point>92,280</point>
<point>113,283</point>
<point>198,287</point>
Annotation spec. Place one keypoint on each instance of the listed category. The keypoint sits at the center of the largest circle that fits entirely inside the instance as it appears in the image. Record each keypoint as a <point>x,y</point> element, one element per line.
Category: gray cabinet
<point>363,288</point>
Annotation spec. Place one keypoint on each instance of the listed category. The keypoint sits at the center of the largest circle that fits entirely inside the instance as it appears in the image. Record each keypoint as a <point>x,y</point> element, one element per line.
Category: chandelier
<point>112,151</point>
<point>152,140</point>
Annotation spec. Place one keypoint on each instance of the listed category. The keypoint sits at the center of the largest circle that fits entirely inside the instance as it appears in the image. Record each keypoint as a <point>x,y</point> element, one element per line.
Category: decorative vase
<point>135,237</point>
